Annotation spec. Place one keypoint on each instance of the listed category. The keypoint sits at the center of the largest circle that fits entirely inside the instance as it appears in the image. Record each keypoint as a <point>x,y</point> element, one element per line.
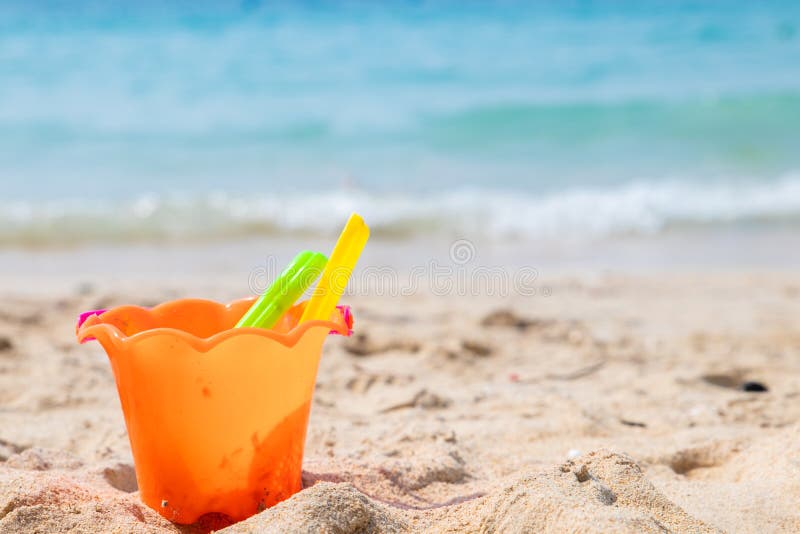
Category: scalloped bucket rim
<point>92,323</point>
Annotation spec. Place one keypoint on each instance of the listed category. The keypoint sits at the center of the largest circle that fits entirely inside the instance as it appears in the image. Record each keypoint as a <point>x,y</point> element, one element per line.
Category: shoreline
<point>29,271</point>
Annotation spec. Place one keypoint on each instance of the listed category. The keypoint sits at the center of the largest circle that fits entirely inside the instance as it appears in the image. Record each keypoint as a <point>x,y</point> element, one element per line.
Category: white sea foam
<point>580,213</point>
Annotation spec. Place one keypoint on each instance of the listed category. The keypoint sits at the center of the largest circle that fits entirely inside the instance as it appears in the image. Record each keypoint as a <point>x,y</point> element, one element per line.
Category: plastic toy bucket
<point>216,415</point>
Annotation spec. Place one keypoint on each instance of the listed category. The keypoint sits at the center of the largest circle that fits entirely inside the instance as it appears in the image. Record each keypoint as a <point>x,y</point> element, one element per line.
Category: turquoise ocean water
<point>172,120</point>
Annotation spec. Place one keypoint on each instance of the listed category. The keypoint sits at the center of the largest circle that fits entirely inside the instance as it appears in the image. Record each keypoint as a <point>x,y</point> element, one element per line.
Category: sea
<point>176,121</point>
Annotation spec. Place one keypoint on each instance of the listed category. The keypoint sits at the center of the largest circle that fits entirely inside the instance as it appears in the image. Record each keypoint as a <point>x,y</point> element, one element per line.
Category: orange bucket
<point>216,415</point>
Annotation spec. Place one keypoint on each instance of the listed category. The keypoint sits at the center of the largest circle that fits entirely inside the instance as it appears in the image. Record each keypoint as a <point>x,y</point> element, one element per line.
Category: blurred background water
<point>148,120</point>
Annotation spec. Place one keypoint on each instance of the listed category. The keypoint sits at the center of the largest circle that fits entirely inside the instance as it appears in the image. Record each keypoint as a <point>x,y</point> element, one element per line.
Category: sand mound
<point>600,492</point>
<point>49,491</point>
<point>325,508</point>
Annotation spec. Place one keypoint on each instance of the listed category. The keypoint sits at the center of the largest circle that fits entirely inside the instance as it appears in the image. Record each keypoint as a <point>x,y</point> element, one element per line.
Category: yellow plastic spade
<point>337,272</point>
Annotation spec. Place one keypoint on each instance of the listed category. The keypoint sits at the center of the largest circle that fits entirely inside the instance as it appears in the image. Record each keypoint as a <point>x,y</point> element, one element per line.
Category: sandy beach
<point>578,309</point>
<point>605,402</point>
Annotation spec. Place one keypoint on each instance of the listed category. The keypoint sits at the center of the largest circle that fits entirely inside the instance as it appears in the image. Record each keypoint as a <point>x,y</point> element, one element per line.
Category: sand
<point>604,403</point>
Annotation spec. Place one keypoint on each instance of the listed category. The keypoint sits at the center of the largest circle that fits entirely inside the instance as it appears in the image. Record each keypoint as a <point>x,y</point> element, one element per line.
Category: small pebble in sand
<point>573,453</point>
<point>754,387</point>
<point>5,344</point>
